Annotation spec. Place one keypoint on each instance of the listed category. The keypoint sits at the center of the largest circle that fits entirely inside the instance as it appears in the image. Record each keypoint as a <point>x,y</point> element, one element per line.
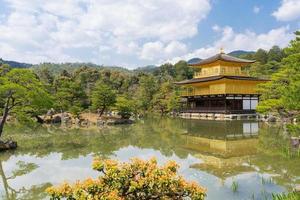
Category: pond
<point>232,159</point>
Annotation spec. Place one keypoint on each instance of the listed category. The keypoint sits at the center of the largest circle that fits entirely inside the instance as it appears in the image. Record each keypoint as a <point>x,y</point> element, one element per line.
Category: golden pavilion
<point>220,86</point>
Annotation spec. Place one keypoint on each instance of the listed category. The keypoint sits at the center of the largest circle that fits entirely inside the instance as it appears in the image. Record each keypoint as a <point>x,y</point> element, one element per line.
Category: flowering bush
<point>137,179</point>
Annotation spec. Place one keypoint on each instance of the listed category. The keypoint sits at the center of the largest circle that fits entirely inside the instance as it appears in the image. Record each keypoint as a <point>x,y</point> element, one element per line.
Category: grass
<point>266,180</point>
<point>234,186</point>
<point>288,196</point>
<point>289,152</point>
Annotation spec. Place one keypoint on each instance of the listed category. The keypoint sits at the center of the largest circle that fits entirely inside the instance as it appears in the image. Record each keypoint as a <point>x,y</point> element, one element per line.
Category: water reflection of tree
<point>162,134</point>
<point>34,192</point>
<point>276,156</point>
<point>272,154</point>
<point>158,134</point>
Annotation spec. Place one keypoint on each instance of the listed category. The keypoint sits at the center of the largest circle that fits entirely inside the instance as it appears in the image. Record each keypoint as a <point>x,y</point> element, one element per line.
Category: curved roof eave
<point>222,57</point>
<point>215,78</point>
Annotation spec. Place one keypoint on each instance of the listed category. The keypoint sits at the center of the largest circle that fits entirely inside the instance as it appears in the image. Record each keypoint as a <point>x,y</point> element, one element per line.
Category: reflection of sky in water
<point>51,169</point>
<point>213,153</point>
<point>54,170</point>
<point>250,127</point>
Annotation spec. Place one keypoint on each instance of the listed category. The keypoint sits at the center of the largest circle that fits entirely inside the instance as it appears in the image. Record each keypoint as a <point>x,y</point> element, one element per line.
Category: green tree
<point>161,98</point>
<point>22,94</point>
<point>264,70</point>
<point>69,95</point>
<point>275,54</point>
<point>183,71</point>
<point>137,179</point>
<point>261,56</point>
<point>45,75</point>
<point>174,101</point>
<point>282,94</point>
<point>103,97</point>
<point>145,92</point>
<point>294,46</point>
<point>165,72</point>
<point>86,77</point>
<point>4,68</point>
<point>65,73</point>
<point>166,98</point>
<point>125,107</point>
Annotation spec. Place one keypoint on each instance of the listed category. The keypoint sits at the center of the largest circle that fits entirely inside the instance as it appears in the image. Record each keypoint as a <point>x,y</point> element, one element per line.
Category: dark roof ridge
<point>218,77</point>
<point>222,57</point>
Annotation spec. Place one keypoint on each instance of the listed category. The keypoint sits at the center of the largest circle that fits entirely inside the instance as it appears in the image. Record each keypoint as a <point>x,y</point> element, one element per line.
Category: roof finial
<point>221,50</point>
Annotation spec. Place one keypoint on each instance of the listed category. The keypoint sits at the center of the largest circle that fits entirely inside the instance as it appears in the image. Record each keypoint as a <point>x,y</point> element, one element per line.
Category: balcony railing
<point>216,110</point>
<point>187,93</point>
<point>203,74</point>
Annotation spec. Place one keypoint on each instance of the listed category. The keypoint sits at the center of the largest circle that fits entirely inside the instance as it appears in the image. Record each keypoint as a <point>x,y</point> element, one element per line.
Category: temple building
<point>220,86</point>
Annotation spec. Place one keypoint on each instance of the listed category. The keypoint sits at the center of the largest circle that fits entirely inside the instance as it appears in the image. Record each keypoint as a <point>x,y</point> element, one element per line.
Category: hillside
<point>15,64</point>
<point>148,68</point>
<point>59,67</point>
<point>239,53</point>
<point>194,60</point>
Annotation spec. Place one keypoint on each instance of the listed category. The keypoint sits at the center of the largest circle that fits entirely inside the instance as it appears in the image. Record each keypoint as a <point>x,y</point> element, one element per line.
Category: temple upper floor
<point>219,70</point>
<point>220,64</point>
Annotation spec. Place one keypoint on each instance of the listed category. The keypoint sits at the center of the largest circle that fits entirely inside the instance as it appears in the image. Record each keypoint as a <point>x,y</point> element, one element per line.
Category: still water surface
<point>251,155</point>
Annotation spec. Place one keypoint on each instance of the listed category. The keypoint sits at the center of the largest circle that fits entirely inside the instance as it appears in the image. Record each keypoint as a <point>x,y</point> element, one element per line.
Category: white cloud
<point>160,51</point>
<point>38,31</point>
<point>175,48</point>
<point>216,28</point>
<point>250,40</point>
<point>288,10</point>
<point>256,9</point>
<point>151,50</point>
<point>247,40</point>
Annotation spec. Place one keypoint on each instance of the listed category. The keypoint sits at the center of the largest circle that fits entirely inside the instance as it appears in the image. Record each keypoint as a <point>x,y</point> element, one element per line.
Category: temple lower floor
<point>227,104</point>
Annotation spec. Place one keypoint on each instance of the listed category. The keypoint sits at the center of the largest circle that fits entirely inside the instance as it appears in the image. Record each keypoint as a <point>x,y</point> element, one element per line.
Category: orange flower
<point>137,179</point>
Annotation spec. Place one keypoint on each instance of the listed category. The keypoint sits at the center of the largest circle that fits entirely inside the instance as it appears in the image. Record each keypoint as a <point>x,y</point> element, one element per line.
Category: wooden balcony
<point>217,73</point>
<point>225,87</point>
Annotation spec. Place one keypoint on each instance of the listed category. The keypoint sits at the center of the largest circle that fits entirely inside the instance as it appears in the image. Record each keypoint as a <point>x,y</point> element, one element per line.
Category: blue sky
<point>134,33</point>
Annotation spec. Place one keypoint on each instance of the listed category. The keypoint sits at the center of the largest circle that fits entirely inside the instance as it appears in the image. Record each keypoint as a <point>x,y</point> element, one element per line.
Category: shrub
<point>137,179</point>
<point>125,107</point>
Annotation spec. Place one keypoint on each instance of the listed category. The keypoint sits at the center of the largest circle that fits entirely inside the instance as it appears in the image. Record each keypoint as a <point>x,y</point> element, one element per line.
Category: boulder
<point>297,188</point>
<point>110,122</point>
<point>66,118</point>
<point>84,122</point>
<point>272,119</point>
<point>51,112</point>
<point>8,145</point>
<point>119,121</point>
<point>56,119</point>
<point>77,121</point>
<point>100,122</point>
<point>295,141</point>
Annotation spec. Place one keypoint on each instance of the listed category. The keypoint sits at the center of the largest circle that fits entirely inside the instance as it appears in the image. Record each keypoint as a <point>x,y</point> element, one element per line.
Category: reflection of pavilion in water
<point>224,146</point>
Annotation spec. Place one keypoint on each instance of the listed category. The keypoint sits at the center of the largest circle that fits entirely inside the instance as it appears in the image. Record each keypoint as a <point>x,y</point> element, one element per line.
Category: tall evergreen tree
<point>282,94</point>
<point>275,54</point>
<point>261,56</point>
<point>103,97</point>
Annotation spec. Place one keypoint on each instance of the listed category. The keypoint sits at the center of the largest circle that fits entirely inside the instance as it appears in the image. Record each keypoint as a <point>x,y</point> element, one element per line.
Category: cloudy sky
<point>133,33</point>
